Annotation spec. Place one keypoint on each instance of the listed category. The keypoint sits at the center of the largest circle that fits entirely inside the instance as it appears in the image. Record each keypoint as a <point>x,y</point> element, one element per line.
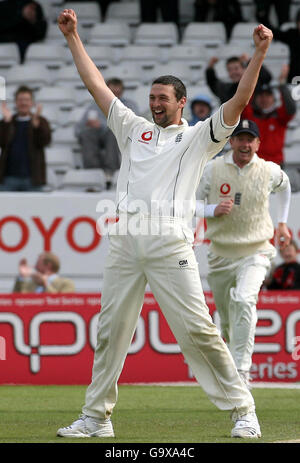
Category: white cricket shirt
<point>161,167</point>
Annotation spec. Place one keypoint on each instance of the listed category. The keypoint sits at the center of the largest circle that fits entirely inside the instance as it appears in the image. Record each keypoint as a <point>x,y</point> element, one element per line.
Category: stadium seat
<point>9,56</point>
<point>114,180</point>
<point>172,68</point>
<point>292,155</point>
<point>68,76</point>
<point>141,96</point>
<point>34,76</point>
<point>296,137</point>
<point>55,36</point>
<point>116,34</point>
<point>88,13</point>
<point>53,56</point>
<point>208,34</point>
<point>53,116</point>
<point>60,159</point>
<point>128,72</point>
<point>83,180</point>
<point>287,25</point>
<point>144,56</point>
<point>186,11</point>
<point>52,182</point>
<point>102,56</point>
<point>73,116</point>
<point>65,136</point>
<point>194,57</point>
<point>61,97</point>
<point>235,49</point>
<point>128,12</point>
<point>156,34</point>
<point>242,33</point>
<point>248,10</point>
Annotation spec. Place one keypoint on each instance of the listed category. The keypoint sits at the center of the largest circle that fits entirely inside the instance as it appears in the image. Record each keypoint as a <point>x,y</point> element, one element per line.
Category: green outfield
<point>144,414</point>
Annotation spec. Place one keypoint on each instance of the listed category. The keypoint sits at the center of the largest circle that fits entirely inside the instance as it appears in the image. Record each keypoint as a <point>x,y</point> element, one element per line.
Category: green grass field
<point>143,414</point>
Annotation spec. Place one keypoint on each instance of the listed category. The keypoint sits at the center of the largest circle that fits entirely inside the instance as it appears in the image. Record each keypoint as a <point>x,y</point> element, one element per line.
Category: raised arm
<point>233,108</point>
<point>89,73</point>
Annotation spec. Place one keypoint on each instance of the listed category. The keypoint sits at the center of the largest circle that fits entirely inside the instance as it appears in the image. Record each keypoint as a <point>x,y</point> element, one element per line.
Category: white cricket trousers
<point>235,284</point>
<point>168,263</point>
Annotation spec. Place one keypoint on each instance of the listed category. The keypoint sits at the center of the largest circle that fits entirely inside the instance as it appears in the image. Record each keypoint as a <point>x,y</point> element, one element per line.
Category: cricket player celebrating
<point>237,188</point>
<point>162,162</point>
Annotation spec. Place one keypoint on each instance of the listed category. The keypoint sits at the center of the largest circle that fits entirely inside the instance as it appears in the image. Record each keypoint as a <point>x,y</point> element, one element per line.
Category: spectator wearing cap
<point>201,107</point>
<point>272,118</point>
<point>236,188</point>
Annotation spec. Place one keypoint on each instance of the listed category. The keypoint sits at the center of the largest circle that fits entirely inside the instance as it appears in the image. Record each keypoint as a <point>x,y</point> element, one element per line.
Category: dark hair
<point>115,81</point>
<point>23,89</point>
<point>53,260</point>
<point>233,59</point>
<point>179,87</point>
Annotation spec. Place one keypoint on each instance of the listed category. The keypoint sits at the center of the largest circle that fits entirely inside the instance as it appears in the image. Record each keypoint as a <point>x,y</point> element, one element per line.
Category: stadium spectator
<point>282,10</point>
<point>43,278</point>
<point>239,226</point>
<point>23,137</point>
<point>291,37</point>
<point>201,108</point>
<point>286,275</point>
<point>98,144</point>
<point>272,118</point>
<point>235,66</point>
<point>22,22</point>
<point>226,11</point>
<point>169,10</point>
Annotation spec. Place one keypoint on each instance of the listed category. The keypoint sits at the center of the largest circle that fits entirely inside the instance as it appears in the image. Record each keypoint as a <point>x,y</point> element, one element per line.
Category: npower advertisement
<point>50,339</point>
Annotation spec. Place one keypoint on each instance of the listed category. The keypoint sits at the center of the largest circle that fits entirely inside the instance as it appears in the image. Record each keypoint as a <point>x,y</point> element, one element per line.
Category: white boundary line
<point>254,385</point>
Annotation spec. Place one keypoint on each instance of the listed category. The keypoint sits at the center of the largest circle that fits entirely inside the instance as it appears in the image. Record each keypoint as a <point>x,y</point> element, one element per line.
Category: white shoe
<point>246,427</point>
<point>87,426</point>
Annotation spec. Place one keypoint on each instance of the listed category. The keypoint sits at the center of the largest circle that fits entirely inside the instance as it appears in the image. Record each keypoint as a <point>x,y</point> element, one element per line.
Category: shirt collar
<point>229,158</point>
<point>173,126</point>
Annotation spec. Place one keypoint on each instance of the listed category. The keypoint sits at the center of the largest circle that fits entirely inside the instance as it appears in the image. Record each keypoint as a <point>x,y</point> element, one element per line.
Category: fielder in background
<point>236,187</point>
<point>162,163</point>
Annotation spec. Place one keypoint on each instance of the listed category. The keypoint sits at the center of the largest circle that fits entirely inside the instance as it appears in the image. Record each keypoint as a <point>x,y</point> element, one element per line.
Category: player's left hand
<point>283,235</point>
<point>262,37</point>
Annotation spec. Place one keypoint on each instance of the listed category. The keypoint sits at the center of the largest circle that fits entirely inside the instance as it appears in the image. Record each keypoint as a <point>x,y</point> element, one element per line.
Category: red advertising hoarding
<point>49,339</point>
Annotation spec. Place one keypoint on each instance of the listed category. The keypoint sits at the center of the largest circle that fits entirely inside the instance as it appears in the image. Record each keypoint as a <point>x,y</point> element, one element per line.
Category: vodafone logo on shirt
<point>225,189</point>
<point>146,137</point>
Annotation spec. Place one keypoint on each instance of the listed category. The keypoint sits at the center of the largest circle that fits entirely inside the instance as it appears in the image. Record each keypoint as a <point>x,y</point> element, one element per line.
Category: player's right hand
<point>67,22</point>
<point>224,208</point>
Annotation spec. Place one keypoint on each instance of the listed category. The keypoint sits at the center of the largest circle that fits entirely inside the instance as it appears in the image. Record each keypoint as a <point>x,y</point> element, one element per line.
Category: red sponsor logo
<point>225,188</point>
<point>146,137</point>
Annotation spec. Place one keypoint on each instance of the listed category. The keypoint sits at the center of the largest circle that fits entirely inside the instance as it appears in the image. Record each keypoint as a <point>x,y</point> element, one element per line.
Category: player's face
<point>244,146</point>
<point>165,108</point>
